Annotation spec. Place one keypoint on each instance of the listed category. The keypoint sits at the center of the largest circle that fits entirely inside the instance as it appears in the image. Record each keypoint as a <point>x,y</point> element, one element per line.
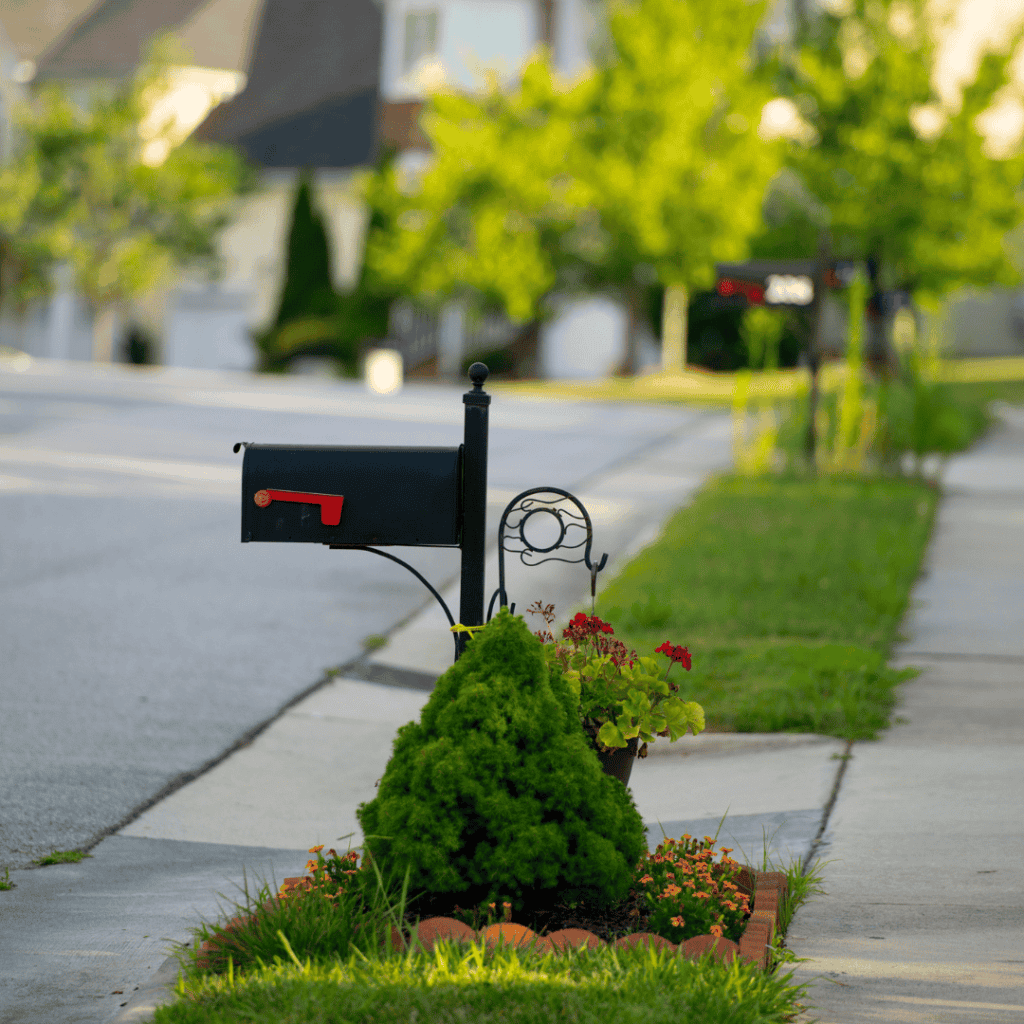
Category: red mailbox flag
<point>330,504</point>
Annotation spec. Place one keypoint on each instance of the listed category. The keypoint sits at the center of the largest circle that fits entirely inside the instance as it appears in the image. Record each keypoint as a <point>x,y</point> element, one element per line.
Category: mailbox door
<point>328,495</point>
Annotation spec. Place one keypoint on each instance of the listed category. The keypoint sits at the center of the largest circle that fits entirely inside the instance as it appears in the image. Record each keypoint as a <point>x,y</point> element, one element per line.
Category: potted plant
<point>624,700</point>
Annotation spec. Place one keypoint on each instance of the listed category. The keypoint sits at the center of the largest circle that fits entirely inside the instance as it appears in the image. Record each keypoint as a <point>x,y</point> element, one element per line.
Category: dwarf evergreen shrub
<point>496,791</point>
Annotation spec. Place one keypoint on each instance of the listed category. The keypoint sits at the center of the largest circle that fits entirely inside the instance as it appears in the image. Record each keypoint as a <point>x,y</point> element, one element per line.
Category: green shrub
<point>496,792</point>
<point>920,417</point>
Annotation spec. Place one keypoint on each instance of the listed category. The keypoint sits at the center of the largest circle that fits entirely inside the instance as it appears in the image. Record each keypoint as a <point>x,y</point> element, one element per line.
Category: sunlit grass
<point>708,387</point>
<point>704,387</point>
<point>471,983</point>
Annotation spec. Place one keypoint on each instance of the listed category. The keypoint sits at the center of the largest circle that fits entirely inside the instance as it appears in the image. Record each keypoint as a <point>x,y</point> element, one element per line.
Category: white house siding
<point>472,36</point>
<point>586,339</point>
<point>576,26</point>
<point>208,330</point>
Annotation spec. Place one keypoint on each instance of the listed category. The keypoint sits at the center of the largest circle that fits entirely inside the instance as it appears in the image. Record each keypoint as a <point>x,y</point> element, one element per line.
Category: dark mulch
<point>607,922</point>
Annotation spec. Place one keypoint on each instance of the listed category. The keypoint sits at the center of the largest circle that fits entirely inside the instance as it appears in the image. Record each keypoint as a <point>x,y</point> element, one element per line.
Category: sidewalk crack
<point>844,760</point>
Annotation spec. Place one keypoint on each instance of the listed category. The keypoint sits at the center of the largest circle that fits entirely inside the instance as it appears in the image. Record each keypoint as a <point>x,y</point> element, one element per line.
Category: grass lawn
<point>471,984</point>
<point>789,594</point>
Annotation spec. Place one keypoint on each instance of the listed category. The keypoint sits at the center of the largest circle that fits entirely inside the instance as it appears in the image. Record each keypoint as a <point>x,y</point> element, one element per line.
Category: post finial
<point>478,373</point>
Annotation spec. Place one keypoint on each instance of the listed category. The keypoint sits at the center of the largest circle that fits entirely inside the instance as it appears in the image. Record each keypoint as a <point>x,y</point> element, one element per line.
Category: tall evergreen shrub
<point>308,289</point>
<point>496,791</point>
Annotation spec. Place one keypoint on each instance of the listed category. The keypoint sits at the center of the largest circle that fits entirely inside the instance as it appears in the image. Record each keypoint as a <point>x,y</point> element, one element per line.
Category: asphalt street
<point>139,639</point>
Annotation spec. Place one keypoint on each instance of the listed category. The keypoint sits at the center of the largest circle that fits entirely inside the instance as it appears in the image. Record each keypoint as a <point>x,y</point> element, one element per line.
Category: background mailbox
<point>353,496</point>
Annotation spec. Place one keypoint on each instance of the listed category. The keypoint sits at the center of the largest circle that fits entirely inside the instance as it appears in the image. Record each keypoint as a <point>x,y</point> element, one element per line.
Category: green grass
<point>980,393</point>
<point>469,983</point>
<point>62,857</point>
<point>789,594</point>
<point>359,917</point>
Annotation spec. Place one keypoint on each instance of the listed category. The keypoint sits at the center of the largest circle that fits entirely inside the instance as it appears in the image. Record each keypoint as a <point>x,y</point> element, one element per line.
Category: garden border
<point>768,889</point>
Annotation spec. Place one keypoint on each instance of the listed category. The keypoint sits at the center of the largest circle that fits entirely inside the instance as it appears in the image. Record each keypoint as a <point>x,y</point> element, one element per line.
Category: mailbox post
<point>474,496</point>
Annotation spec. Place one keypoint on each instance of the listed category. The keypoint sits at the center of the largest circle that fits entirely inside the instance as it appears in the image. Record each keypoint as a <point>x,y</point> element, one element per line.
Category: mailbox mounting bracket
<point>415,572</point>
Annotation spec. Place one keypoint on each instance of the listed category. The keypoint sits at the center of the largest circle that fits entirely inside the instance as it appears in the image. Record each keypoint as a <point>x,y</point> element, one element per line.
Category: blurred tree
<point>902,178</point>
<point>672,152</point>
<point>646,171</point>
<point>119,198</point>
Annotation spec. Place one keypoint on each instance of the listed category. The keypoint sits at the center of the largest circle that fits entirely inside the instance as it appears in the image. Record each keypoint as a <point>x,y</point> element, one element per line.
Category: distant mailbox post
<point>356,498</point>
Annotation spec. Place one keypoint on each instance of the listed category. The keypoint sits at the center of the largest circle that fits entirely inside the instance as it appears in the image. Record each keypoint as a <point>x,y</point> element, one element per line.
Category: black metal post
<point>474,508</point>
<point>815,344</point>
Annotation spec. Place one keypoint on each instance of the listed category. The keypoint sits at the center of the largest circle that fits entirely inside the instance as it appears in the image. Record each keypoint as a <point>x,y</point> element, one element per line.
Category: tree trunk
<point>674,329</point>
<point>631,357</point>
<point>878,354</point>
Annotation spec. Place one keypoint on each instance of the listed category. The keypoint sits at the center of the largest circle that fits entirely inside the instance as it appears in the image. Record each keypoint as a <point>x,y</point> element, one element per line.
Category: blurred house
<point>83,43</point>
<point>304,83</point>
<point>12,89</point>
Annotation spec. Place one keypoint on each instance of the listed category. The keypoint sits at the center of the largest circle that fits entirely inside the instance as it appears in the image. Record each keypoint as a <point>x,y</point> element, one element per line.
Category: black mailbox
<point>352,496</point>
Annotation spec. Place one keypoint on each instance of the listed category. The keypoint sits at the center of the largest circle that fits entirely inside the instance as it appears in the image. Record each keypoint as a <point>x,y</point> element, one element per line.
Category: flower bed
<point>766,888</point>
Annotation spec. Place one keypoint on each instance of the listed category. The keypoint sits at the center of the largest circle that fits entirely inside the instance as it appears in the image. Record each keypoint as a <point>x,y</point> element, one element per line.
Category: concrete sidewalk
<point>924,917</point>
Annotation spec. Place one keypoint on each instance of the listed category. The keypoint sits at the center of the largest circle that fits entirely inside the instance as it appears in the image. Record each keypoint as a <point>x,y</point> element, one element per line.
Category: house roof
<point>31,30</point>
<point>111,38</point>
<point>311,96</point>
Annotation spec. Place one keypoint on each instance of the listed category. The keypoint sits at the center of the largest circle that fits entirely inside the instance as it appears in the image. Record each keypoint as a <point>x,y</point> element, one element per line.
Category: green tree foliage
<point>904,178</point>
<point>647,170</point>
<point>81,190</point>
<point>496,791</point>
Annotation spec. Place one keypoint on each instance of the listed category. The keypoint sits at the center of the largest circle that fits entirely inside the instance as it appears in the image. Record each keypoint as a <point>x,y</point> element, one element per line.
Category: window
<point>420,37</point>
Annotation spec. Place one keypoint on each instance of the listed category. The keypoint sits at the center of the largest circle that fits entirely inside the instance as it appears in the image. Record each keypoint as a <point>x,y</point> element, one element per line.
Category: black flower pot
<point>618,762</point>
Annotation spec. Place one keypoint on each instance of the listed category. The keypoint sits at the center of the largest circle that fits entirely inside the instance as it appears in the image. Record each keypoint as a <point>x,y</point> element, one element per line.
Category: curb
<point>158,991</point>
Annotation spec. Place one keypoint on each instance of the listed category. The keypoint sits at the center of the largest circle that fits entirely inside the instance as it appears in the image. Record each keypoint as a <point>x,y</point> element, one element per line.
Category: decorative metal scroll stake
<point>568,527</point>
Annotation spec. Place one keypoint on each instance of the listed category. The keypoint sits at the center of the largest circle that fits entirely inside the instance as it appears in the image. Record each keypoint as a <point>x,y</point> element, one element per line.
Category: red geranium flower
<point>581,626</point>
<point>680,655</point>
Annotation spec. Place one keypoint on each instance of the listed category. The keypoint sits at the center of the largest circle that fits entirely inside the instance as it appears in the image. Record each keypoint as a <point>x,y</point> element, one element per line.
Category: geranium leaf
<point>610,735</point>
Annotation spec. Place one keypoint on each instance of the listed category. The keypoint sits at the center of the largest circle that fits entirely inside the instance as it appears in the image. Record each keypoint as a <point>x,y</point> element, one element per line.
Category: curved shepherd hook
<point>574,531</point>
